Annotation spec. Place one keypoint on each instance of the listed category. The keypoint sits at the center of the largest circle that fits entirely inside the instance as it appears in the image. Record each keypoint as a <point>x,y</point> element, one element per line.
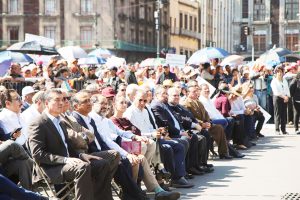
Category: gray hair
<point>131,88</point>
<point>159,89</point>
<point>39,96</point>
<point>172,90</point>
<point>75,98</point>
<point>48,94</point>
<point>93,87</point>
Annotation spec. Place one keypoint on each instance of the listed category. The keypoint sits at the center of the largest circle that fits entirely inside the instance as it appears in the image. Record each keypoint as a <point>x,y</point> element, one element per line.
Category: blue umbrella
<point>209,53</point>
<point>8,57</point>
<point>100,53</point>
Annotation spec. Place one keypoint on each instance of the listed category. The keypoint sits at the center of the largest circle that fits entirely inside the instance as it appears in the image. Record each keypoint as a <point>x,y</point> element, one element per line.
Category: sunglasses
<point>145,100</point>
<point>66,98</point>
<point>17,99</point>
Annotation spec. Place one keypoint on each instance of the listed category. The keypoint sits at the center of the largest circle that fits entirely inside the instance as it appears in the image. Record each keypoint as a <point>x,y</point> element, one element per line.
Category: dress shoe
<point>240,155</point>
<point>181,183</point>
<point>260,135</point>
<point>205,169</point>
<point>167,195</point>
<point>189,176</point>
<point>298,132</point>
<point>226,157</point>
<point>208,165</point>
<point>277,132</point>
<point>195,171</point>
<point>285,133</point>
<point>164,173</point>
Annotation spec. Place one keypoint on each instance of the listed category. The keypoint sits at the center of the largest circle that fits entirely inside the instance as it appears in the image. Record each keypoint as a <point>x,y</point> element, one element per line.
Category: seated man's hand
<point>87,158</point>
<point>73,161</point>
<point>198,127</point>
<point>142,139</point>
<point>16,134</point>
<point>185,134</point>
<point>133,159</point>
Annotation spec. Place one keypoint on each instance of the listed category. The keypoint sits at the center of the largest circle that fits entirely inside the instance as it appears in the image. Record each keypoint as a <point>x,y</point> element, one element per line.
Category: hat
<point>108,92</point>
<point>168,82</point>
<point>292,66</point>
<point>237,91</point>
<point>246,72</point>
<point>224,88</point>
<point>27,90</point>
<point>40,62</point>
<point>166,65</point>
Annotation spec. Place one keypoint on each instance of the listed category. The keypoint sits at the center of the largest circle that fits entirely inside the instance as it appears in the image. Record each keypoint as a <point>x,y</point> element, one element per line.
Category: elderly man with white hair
<point>130,93</point>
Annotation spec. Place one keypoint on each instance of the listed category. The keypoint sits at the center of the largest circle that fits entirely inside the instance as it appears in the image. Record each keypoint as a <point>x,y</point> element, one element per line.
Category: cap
<point>108,92</point>
<point>237,91</point>
<point>166,65</point>
<point>168,82</point>
<point>27,90</point>
<point>292,66</point>
<point>224,88</point>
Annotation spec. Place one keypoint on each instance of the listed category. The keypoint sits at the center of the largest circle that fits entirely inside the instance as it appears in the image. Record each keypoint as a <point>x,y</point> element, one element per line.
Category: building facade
<point>185,34</point>
<point>271,23</point>
<point>124,26</point>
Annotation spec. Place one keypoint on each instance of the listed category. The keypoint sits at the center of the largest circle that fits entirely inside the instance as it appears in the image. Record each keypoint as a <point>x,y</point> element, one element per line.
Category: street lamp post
<point>157,25</point>
<point>298,14</point>
<point>96,15</point>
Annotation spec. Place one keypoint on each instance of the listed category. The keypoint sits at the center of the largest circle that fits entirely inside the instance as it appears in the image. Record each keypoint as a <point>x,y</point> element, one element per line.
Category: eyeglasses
<point>66,98</point>
<point>145,100</point>
<point>17,99</point>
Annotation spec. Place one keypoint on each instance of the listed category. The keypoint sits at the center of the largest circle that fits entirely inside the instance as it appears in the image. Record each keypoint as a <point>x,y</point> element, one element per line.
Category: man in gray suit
<point>50,148</point>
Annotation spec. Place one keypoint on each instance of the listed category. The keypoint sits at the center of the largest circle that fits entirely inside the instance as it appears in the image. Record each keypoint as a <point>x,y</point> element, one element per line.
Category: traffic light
<point>246,30</point>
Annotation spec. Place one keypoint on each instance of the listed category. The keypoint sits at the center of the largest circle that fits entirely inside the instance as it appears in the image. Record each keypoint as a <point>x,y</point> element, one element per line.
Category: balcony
<point>184,32</point>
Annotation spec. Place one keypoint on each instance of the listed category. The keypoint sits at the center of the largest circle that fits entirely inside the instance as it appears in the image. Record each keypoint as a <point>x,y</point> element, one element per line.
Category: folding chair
<point>67,190</point>
<point>116,189</point>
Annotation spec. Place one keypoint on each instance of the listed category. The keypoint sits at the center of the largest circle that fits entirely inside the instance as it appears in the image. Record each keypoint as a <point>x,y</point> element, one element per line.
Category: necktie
<point>151,119</point>
<point>102,144</point>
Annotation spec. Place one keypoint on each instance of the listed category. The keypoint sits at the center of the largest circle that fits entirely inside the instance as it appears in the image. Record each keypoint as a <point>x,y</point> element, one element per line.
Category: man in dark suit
<point>49,147</point>
<point>190,124</point>
<point>83,106</point>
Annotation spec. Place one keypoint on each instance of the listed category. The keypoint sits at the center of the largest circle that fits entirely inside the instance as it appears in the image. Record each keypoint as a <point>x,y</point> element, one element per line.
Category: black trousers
<point>280,113</point>
<point>296,114</point>
<point>290,111</point>
<point>259,117</point>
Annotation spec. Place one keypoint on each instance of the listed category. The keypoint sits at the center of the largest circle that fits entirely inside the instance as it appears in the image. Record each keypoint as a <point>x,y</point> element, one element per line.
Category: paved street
<point>269,171</point>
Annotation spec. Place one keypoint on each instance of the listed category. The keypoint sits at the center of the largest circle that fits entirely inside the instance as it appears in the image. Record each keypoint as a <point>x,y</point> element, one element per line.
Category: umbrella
<point>8,57</point>
<point>100,53</point>
<point>72,52</point>
<point>152,62</point>
<point>32,47</point>
<point>232,60</point>
<point>207,53</point>
<point>91,60</point>
<point>115,62</point>
<point>275,54</point>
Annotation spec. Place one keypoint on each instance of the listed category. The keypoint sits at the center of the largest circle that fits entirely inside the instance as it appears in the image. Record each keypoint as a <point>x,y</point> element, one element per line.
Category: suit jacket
<point>163,118</point>
<point>197,109</point>
<point>76,134</point>
<point>171,76</point>
<point>184,116</point>
<point>47,147</point>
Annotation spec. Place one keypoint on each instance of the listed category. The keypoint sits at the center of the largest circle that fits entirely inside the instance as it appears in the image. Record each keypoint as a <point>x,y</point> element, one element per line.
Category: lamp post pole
<point>157,26</point>
<point>96,15</point>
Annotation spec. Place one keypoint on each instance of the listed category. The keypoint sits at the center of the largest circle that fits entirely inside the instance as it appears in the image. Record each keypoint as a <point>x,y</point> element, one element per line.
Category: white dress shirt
<point>280,87</point>
<point>11,121</point>
<point>237,106</point>
<point>140,119</point>
<point>109,132</point>
<point>30,114</point>
<point>210,108</point>
<point>56,121</point>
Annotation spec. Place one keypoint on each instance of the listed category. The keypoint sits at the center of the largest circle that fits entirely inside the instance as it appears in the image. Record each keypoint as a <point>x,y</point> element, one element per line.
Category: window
<point>165,40</point>
<point>13,6</point>
<point>50,7</point>
<point>195,24</point>
<point>132,35</point>
<point>185,22</point>
<point>132,9</point>
<point>86,36</point>
<point>191,23</point>
<point>86,6</point>
<point>13,34</point>
<point>180,20</point>
<point>181,51</point>
<point>149,38</point>
<point>259,11</point>
<point>292,41</point>
<point>50,32</point>
<point>259,42</point>
<point>291,9</point>
<point>245,5</point>
<point>141,36</point>
<point>142,12</point>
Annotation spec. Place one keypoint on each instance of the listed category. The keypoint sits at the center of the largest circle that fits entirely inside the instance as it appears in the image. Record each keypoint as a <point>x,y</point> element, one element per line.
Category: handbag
<point>133,147</point>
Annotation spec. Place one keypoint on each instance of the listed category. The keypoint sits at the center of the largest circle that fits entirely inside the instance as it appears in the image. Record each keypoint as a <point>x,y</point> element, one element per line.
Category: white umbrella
<point>72,52</point>
<point>115,62</point>
<point>88,61</point>
<point>232,59</point>
<point>206,54</point>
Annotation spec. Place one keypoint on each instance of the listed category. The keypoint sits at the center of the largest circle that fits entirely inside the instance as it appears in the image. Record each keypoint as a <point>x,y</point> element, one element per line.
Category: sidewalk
<point>269,171</point>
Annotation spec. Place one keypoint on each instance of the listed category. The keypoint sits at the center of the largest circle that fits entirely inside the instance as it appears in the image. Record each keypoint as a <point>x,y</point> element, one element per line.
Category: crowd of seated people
<point>82,136</point>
